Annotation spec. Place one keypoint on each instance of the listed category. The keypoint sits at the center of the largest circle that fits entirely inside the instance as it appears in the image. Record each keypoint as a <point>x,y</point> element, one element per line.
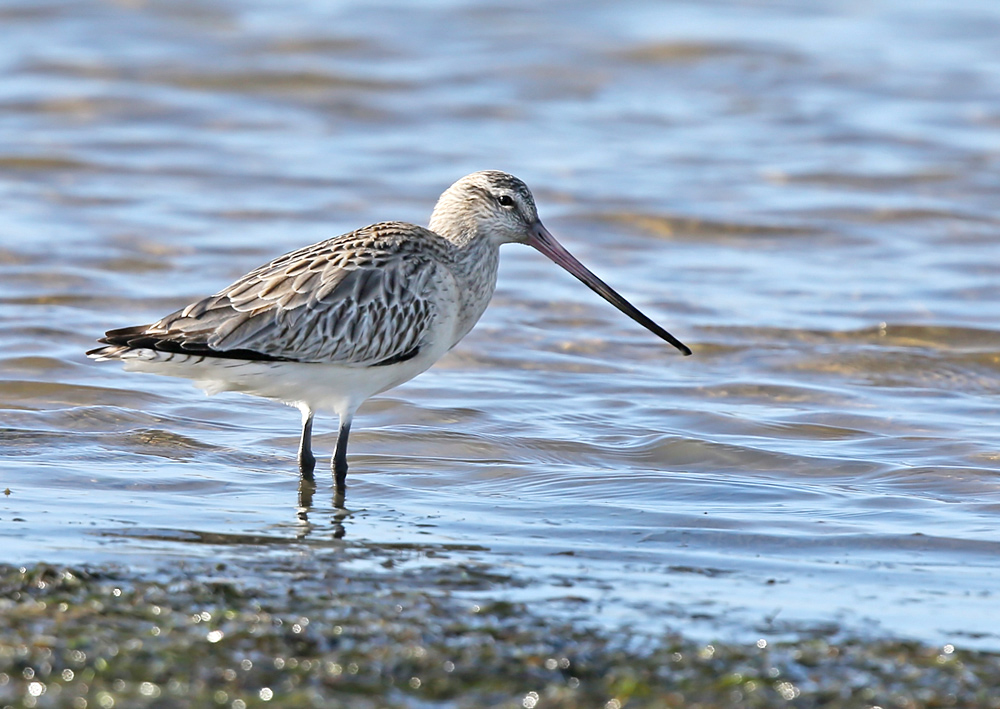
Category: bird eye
<point>505,200</point>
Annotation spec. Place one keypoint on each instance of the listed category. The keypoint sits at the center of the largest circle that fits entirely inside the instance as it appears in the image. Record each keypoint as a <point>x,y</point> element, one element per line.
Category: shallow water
<point>805,195</point>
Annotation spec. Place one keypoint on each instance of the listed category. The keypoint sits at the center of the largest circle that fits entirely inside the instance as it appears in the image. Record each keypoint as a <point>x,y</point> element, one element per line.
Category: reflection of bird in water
<point>330,325</point>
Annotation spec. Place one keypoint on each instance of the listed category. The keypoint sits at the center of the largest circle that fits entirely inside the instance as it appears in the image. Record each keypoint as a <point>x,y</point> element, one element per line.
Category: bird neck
<point>475,270</point>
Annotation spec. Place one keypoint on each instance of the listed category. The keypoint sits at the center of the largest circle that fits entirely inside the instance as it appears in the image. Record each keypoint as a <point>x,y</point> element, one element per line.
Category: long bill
<point>543,241</point>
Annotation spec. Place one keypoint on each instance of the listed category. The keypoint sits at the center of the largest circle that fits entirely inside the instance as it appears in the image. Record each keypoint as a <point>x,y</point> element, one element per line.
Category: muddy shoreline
<point>307,632</point>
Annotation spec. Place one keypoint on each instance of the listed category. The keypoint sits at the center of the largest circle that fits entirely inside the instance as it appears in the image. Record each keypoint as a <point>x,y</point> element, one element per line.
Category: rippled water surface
<point>805,193</point>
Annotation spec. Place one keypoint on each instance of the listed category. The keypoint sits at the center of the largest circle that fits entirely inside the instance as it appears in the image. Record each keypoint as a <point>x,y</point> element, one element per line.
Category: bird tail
<point>107,353</point>
<point>116,343</point>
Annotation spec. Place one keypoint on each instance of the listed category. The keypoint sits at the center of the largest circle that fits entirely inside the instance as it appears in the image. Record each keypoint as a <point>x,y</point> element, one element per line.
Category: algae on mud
<point>200,636</point>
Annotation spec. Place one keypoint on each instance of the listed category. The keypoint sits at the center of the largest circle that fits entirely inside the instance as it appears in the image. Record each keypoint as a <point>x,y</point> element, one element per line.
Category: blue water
<point>804,193</point>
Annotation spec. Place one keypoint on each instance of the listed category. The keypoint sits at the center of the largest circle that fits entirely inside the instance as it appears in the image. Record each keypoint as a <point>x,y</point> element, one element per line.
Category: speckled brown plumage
<point>329,325</point>
<point>359,299</point>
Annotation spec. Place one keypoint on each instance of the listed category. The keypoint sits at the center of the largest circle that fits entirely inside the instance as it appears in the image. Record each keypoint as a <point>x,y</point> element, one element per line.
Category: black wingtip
<point>122,335</point>
<point>139,337</point>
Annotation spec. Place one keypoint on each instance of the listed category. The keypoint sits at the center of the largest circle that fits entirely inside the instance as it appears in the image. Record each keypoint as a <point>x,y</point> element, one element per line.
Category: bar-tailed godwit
<point>330,325</point>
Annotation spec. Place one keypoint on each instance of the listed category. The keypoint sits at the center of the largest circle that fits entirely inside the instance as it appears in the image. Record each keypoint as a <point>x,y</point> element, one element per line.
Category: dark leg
<point>340,456</point>
<point>307,461</point>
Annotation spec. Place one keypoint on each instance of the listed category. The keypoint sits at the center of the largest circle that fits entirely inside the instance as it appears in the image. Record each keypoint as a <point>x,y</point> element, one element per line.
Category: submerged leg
<point>340,456</point>
<point>307,461</point>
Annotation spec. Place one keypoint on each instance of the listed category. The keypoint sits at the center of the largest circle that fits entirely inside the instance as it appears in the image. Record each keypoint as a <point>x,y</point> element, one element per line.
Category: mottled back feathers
<point>363,299</point>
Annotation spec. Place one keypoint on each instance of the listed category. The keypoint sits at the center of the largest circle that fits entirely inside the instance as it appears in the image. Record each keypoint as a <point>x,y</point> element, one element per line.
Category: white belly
<point>319,387</point>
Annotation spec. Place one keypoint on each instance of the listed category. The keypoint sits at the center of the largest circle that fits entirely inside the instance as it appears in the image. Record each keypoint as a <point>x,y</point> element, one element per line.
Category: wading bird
<point>327,326</point>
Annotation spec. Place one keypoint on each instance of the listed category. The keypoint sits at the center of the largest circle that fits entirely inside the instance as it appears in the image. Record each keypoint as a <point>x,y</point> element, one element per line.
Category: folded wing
<point>362,299</point>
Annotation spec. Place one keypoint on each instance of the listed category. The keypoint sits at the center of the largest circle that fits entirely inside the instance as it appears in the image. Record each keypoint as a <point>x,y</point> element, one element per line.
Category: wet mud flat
<point>309,632</point>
